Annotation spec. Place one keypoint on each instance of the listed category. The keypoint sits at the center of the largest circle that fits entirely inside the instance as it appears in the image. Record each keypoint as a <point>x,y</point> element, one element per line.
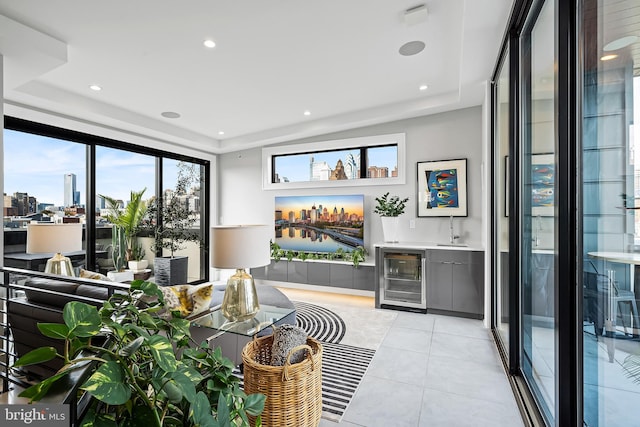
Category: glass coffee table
<point>231,337</point>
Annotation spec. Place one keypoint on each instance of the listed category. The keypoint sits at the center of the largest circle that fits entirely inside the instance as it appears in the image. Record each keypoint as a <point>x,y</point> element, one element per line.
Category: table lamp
<point>239,247</point>
<point>55,238</point>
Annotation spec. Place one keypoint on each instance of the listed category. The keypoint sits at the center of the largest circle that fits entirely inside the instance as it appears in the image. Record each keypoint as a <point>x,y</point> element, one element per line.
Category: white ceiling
<point>274,59</point>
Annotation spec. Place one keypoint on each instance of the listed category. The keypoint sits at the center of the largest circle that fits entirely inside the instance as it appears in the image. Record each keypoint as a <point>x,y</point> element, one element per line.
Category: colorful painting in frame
<point>543,177</point>
<point>442,188</point>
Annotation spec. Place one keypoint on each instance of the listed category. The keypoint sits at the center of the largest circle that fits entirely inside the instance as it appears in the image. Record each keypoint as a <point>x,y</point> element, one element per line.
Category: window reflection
<point>611,198</point>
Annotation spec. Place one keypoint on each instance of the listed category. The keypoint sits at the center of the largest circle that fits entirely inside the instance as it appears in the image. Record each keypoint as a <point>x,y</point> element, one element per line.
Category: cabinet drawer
<point>461,257</point>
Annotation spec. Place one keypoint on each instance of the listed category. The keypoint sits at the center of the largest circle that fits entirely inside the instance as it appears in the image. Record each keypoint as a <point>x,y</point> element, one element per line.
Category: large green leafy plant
<point>148,370</point>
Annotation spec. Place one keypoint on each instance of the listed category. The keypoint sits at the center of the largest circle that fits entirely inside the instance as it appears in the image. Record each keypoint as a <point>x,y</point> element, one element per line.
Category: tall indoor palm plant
<point>126,224</point>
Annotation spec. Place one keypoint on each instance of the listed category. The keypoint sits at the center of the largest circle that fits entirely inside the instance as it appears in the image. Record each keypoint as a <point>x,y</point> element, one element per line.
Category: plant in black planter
<point>149,372</point>
<point>171,224</point>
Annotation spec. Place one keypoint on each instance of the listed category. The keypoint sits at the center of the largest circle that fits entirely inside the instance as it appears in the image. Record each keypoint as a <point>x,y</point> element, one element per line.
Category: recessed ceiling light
<point>95,87</point>
<point>209,43</point>
<point>411,48</point>
<point>424,87</point>
<point>170,114</point>
<point>608,57</point>
<point>620,43</point>
<point>307,113</point>
<point>221,133</point>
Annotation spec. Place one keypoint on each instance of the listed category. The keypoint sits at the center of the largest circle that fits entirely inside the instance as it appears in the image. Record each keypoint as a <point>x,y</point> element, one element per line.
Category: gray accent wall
<point>450,135</point>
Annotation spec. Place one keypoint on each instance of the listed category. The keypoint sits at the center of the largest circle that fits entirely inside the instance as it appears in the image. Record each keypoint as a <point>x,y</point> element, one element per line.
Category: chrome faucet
<point>537,228</point>
<point>452,236</point>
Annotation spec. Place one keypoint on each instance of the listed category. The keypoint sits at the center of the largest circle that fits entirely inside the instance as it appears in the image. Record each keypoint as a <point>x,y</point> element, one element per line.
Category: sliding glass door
<point>537,213</point>
<point>501,203</point>
<point>610,203</point>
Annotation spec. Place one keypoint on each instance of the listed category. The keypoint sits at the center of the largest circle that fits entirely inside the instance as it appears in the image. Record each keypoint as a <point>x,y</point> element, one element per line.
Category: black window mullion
<point>90,209</point>
<point>568,296</point>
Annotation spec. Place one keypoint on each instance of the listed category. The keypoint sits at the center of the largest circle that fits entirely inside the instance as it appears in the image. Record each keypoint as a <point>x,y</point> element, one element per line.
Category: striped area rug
<point>320,323</point>
<point>343,366</point>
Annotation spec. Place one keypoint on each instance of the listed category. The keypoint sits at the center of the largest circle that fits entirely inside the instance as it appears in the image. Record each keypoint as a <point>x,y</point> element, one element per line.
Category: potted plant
<point>126,224</point>
<point>149,371</point>
<point>389,209</point>
<point>171,224</point>
<point>138,263</point>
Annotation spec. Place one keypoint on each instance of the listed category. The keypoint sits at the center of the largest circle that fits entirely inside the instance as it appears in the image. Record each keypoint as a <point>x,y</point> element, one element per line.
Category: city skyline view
<point>118,172</point>
<point>296,167</point>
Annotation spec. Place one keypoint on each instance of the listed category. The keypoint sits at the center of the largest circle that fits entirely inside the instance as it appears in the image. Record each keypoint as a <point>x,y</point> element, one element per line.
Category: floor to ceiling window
<point>501,202</point>
<point>184,184</point>
<point>44,180</point>
<point>610,203</point>
<point>118,174</point>
<point>537,207</point>
<point>574,103</point>
<point>53,174</point>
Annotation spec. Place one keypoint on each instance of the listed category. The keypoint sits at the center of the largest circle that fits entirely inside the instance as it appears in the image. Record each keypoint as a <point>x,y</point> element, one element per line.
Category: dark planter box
<point>170,271</point>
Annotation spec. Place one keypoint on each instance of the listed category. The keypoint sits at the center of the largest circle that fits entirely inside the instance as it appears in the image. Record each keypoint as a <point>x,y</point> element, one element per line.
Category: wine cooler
<point>401,278</point>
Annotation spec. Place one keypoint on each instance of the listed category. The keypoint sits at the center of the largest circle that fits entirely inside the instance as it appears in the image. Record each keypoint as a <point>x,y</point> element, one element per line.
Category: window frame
<point>269,153</point>
<point>92,141</point>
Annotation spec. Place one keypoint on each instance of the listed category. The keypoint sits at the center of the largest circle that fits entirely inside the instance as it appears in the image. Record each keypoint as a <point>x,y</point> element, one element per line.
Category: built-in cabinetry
<point>447,280</point>
<point>455,281</point>
<point>334,274</point>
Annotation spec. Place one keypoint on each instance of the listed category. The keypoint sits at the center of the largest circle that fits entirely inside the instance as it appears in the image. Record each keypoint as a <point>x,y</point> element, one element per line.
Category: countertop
<point>471,246</point>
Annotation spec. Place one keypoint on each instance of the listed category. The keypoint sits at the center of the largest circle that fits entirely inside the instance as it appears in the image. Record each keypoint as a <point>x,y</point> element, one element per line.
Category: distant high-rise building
<point>351,166</point>
<point>378,172</point>
<point>76,198</point>
<point>69,189</point>
<point>21,202</point>
<point>319,171</point>
<point>100,203</point>
<point>292,217</point>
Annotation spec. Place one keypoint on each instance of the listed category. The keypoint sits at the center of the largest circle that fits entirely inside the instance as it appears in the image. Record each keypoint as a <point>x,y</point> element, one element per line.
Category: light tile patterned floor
<point>431,371</point>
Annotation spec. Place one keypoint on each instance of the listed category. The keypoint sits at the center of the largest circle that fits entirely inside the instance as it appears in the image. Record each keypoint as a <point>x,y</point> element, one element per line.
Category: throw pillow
<point>86,274</point>
<point>187,299</point>
<point>286,338</point>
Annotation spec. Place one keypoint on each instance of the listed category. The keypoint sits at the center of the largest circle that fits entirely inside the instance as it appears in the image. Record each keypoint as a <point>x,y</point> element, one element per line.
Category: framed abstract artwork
<point>442,188</point>
<point>543,177</point>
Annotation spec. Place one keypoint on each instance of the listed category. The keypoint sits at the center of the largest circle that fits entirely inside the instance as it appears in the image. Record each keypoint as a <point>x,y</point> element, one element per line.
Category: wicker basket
<point>294,391</point>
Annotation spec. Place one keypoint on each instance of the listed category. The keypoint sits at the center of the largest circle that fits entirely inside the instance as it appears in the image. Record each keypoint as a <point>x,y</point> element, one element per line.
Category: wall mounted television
<point>319,223</point>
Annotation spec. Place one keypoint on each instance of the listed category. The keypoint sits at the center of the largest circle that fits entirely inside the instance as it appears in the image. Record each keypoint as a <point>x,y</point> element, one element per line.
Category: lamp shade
<point>53,238</point>
<point>240,246</point>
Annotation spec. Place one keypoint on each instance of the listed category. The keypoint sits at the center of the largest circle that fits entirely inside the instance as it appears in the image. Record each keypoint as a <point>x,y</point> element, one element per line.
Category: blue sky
<point>296,167</point>
<point>36,165</point>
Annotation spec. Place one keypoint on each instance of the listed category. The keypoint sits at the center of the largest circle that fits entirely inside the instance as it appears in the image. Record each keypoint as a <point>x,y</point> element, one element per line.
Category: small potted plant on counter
<point>389,209</point>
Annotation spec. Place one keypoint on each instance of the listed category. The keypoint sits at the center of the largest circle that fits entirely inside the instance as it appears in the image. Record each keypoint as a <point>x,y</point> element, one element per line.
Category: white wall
<point>452,135</point>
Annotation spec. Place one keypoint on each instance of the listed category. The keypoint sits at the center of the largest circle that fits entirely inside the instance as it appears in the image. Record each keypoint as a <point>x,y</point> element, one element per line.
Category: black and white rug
<point>343,366</point>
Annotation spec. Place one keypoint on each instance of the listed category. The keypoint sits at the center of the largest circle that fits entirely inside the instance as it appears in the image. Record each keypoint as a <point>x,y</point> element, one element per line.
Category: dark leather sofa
<point>42,299</point>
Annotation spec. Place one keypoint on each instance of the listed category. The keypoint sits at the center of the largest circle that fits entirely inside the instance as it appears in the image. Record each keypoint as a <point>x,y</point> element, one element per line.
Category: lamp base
<point>60,265</point>
<point>240,300</point>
